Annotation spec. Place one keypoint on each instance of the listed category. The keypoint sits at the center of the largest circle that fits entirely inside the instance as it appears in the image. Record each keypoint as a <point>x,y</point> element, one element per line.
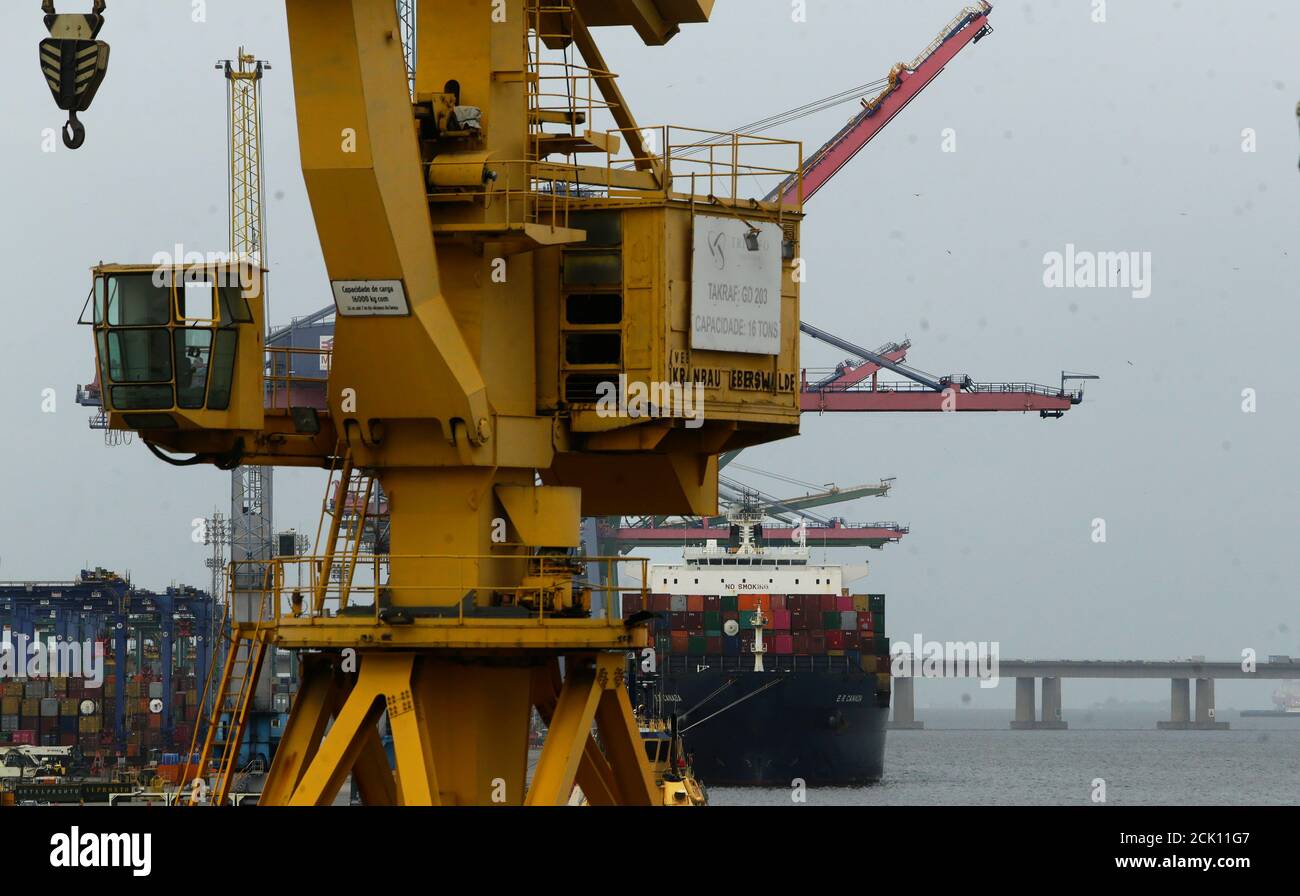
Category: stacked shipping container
<point>850,626</point>
<point>71,712</point>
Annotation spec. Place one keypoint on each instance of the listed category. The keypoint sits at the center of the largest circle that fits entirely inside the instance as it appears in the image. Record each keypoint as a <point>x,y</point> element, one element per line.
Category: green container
<point>729,603</point>
<point>882,646</point>
<point>712,632</point>
<point>877,602</point>
<point>831,620</point>
<point>712,623</point>
<point>697,645</point>
<point>877,620</point>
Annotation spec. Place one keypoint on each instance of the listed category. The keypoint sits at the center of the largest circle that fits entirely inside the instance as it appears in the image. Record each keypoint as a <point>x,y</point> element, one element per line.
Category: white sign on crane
<point>736,286</point>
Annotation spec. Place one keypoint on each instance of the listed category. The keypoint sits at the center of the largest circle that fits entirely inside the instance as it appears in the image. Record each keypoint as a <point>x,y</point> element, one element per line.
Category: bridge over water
<point>1028,673</point>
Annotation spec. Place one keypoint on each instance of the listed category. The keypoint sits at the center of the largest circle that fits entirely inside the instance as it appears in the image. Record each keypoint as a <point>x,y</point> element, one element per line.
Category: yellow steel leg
<point>315,703</point>
<point>595,777</point>
<point>372,773</point>
<point>567,736</point>
<point>342,746</point>
<point>409,721</point>
<point>459,731</point>
<point>623,745</point>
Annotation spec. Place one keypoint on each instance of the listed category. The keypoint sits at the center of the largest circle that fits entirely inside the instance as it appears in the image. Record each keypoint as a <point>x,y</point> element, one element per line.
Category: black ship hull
<point>769,729</point>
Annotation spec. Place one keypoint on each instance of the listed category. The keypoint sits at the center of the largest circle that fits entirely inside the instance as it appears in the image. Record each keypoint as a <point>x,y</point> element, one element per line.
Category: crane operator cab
<point>180,349</point>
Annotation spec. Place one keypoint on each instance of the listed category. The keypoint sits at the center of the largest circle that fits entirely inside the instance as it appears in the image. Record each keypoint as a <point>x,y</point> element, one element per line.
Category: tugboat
<point>670,763</point>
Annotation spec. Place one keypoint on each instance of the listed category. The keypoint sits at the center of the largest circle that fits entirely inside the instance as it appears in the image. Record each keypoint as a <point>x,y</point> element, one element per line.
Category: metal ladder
<point>228,713</point>
<point>347,511</point>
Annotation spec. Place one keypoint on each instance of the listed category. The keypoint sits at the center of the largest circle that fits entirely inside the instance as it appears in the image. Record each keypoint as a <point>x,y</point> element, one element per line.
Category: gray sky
<point>1122,136</point>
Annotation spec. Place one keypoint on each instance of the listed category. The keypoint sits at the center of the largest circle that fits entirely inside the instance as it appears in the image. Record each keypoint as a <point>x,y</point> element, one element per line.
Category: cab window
<point>135,300</point>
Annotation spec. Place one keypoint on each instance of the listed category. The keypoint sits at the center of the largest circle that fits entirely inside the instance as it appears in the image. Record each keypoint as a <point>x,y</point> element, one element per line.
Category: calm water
<point>970,757</point>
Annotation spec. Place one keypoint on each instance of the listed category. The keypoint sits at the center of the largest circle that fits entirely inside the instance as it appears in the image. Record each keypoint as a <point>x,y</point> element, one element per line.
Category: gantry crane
<point>493,264</point>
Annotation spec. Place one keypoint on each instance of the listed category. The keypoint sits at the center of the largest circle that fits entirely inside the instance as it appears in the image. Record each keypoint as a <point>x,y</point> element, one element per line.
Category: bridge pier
<point>1051,714</point>
<point>905,706</point>
<point>1025,719</point>
<point>1180,707</point>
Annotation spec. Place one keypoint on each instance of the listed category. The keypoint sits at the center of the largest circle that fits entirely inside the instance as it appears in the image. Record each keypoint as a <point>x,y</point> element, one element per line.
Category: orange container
<point>695,603</point>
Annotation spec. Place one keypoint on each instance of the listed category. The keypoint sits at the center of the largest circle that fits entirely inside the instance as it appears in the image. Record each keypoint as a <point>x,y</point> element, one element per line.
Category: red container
<point>817,643</point>
<point>26,737</point>
<point>800,640</point>
<point>783,644</point>
<point>713,645</point>
<point>798,620</point>
<point>828,603</point>
<point>852,640</point>
<point>730,615</point>
<point>631,604</point>
<point>864,620</point>
<point>679,642</point>
<point>781,621</point>
<point>695,621</point>
<point>777,601</point>
<point>835,640</point>
<point>677,621</point>
<point>712,603</point>
<point>695,603</point>
<point>660,603</point>
<point>844,604</point>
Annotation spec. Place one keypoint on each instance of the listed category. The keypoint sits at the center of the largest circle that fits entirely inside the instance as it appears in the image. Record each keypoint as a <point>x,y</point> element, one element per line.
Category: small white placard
<point>736,286</point>
<point>370,298</point>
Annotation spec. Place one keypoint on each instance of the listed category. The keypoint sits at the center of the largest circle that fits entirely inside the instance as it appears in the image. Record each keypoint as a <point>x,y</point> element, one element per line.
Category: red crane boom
<point>905,82</point>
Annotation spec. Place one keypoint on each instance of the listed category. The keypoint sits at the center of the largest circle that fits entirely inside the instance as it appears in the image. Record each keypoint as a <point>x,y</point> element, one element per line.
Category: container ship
<point>773,670</point>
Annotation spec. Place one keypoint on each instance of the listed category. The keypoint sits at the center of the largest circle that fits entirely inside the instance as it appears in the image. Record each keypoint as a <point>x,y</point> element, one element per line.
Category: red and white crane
<point>905,82</point>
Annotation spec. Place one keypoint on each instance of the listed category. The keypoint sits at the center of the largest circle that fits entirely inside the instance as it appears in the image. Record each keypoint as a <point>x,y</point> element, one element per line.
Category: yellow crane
<point>516,263</point>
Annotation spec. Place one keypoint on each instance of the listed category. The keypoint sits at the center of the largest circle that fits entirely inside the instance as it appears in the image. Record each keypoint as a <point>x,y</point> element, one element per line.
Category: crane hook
<point>74,63</point>
<point>74,132</point>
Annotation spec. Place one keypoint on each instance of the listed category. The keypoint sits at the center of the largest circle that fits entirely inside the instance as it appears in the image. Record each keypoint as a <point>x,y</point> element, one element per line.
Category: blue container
<point>730,646</point>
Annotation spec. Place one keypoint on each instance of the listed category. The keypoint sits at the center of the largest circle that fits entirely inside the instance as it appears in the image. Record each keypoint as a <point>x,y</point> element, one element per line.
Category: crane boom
<point>905,82</point>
